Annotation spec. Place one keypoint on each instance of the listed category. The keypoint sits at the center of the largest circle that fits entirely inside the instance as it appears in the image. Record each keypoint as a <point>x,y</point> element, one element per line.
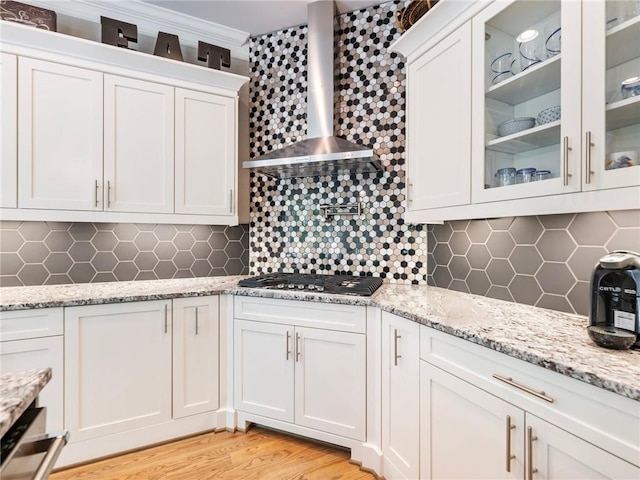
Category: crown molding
<point>151,19</point>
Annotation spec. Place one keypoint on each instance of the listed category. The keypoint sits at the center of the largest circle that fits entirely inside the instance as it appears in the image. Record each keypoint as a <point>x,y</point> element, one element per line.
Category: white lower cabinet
<point>400,397</point>
<point>464,430</point>
<point>264,369</point>
<point>533,426</point>
<point>195,355</point>
<point>118,367</point>
<point>330,381</point>
<point>139,373</point>
<point>32,339</point>
<point>314,378</point>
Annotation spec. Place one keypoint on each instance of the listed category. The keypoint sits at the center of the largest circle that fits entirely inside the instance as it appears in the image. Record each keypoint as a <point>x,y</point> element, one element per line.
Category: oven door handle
<point>53,446</point>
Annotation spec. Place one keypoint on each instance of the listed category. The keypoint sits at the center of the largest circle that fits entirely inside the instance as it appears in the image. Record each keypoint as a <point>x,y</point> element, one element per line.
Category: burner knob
<point>311,286</point>
<point>301,286</point>
<point>291,285</point>
<point>320,288</point>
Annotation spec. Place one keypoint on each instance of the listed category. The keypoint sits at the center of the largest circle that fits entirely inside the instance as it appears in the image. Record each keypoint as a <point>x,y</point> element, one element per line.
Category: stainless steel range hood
<point>321,153</point>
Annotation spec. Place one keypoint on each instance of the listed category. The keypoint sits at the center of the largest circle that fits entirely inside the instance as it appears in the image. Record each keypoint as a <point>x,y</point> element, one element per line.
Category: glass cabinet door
<point>611,94</point>
<point>527,94</point>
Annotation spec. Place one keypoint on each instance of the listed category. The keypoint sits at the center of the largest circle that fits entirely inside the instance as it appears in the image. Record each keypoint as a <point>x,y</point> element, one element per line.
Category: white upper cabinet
<point>439,125</point>
<point>8,130</point>
<point>136,138</point>
<point>551,130</point>
<point>611,122</point>
<point>585,137</point>
<point>138,145</point>
<point>59,136</point>
<point>205,153</point>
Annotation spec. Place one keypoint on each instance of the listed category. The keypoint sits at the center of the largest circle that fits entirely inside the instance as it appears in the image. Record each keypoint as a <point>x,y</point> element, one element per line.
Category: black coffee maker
<point>615,301</point>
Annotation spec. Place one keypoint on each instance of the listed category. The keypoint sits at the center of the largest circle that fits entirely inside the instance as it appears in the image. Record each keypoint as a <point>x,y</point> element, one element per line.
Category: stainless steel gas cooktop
<point>339,284</point>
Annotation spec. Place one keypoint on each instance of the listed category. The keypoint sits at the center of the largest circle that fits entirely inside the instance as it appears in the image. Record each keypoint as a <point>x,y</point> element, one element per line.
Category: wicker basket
<point>409,15</point>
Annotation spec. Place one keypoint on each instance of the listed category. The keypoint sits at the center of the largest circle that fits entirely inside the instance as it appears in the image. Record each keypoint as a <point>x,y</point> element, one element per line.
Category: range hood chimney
<point>321,153</point>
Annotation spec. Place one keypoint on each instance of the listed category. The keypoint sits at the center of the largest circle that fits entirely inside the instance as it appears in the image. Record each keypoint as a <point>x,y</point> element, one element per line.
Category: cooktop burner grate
<point>338,284</point>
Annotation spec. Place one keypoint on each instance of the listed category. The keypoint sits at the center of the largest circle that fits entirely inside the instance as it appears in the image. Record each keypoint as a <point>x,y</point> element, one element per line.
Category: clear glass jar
<point>505,176</point>
<point>525,175</point>
<point>541,175</point>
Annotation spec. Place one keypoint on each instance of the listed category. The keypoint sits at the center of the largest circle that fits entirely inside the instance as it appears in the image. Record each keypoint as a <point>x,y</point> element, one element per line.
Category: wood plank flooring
<point>260,454</point>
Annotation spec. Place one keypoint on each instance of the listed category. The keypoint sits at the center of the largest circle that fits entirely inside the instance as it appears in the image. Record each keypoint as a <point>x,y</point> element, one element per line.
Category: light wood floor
<point>258,454</point>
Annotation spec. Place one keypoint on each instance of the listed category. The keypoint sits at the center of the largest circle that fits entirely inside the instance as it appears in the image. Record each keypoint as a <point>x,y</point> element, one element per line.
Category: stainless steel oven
<point>26,451</point>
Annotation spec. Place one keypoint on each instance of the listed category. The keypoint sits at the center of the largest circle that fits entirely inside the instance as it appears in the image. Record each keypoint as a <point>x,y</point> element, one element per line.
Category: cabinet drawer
<point>329,316</point>
<point>36,323</point>
<point>603,418</point>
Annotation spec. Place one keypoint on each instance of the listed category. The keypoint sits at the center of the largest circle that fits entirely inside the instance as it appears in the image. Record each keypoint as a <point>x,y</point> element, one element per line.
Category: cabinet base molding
<point>356,447</point>
<point>110,445</point>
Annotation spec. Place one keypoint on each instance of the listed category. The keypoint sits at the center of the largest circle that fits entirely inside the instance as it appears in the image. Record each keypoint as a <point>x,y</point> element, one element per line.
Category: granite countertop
<point>17,392</point>
<point>553,340</point>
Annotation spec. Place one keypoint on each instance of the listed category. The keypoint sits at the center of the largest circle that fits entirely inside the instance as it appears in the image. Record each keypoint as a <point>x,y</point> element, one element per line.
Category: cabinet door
<point>138,145</point>
<point>330,379</point>
<point>195,355</point>
<point>464,430</point>
<point>59,136</point>
<point>400,397</point>
<point>117,367</point>
<point>611,122</point>
<point>35,353</point>
<point>205,153</point>
<point>9,130</point>
<point>439,124</point>
<point>263,369</point>
<point>557,454</point>
<point>520,71</point>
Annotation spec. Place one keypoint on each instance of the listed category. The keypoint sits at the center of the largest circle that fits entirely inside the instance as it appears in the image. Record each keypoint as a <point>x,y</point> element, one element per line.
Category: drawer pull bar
<point>288,347</point>
<point>565,155</point>
<point>589,144</point>
<point>297,347</point>
<point>396,337</point>
<point>196,320</point>
<point>509,381</point>
<point>530,439</point>
<point>510,456</point>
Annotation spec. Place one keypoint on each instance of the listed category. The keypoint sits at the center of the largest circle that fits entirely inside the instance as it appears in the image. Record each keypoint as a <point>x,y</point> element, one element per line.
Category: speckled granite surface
<point>20,298</point>
<point>550,339</point>
<point>17,391</point>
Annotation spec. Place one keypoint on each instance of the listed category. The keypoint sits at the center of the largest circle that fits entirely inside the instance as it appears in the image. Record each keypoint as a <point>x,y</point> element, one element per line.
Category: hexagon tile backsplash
<point>544,261</point>
<point>46,253</point>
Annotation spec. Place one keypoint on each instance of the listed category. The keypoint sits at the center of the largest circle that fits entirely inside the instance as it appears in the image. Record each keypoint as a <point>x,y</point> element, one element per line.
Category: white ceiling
<point>254,16</point>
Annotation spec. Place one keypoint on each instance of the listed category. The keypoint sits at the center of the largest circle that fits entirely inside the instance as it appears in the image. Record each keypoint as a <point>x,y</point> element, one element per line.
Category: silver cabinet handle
<point>565,160</point>
<point>396,337</point>
<point>288,340</point>
<point>231,201</point>
<point>97,189</point>
<point>409,193</point>
<point>589,144</point>
<point>297,347</point>
<point>166,318</point>
<point>196,320</point>
<point>509,381</point>
<point>510,456</point>
<point>530,439</point>
<point>108,193</point>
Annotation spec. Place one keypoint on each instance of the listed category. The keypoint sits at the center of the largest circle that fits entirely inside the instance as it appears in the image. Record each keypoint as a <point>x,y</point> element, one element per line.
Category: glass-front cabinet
<point>556,98</point>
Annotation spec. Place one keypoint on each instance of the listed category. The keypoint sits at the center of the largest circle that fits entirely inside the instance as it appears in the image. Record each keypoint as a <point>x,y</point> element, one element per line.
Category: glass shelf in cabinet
<point>533,82</point>
<point>623,42</point>
<point>530,139</point>
<point>623,113</point>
